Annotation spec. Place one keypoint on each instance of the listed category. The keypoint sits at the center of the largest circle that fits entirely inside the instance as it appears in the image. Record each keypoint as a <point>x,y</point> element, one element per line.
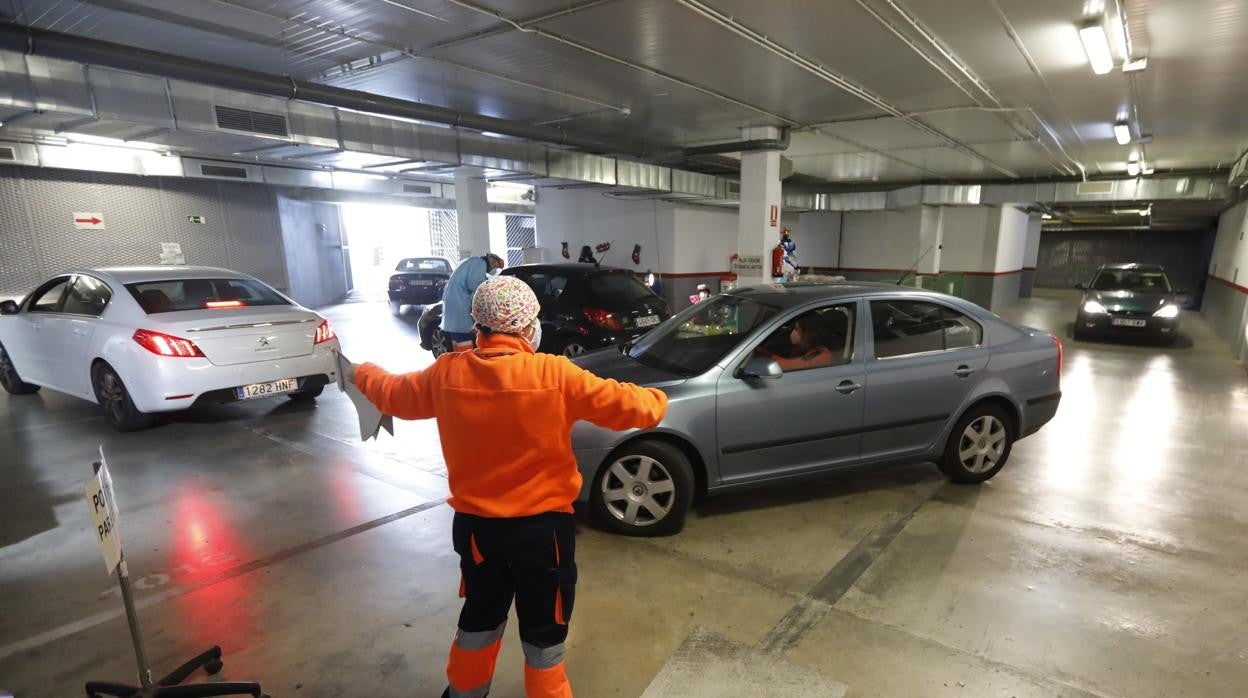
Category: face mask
<point>536,340</point>
<point>494,271</point>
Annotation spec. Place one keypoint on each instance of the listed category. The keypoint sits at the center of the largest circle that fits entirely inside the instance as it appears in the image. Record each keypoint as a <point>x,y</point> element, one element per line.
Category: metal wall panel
<point>1067,258</point>
<point>19,261</point>
<point>241,229</point>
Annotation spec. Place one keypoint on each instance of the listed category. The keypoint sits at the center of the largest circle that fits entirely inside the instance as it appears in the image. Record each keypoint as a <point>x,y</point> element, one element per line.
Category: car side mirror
<point>9,308</point>
<point>762,367</point>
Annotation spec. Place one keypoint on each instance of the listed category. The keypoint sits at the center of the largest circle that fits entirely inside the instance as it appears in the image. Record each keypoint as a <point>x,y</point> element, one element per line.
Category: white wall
<point>705,240</point>
<point>818,238</point>
<point>1011,239</point>
<point>886,240</point>
<point>970,238</point>
<point>1230,249</point>
<point>586,217</point>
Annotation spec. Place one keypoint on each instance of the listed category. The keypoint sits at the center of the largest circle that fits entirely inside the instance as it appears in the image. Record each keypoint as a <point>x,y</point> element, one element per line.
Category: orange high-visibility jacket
<point>505,415</point>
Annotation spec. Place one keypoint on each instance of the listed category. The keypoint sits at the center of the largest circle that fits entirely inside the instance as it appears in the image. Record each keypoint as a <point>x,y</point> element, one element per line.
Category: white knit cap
<point>504,304</point>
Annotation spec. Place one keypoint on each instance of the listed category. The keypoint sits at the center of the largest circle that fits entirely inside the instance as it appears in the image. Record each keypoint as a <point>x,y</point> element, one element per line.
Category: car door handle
<point>847,387</point>
<point>963,371</point>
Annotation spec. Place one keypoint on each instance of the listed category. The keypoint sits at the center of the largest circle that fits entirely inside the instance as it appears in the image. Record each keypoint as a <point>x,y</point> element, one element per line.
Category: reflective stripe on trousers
<point>470,668</point>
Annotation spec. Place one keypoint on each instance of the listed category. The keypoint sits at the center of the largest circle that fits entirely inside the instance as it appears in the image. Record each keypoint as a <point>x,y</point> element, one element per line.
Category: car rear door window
<point>48,298</point>
<point>87,296</point>
<point>904,328</point>
<point>961,332</point>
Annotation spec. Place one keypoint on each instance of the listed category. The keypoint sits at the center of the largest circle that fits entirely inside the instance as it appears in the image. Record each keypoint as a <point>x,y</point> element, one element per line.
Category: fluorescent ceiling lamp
<point>1096,45</point>
<point>1122,132</point>
<point>1133,168</point>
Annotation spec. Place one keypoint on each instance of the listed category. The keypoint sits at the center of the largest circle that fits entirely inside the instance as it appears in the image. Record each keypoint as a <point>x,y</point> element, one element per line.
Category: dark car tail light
<point>603,318</point>
<point>162,344</point>
<point>396,283</point>
<point>324,333</point>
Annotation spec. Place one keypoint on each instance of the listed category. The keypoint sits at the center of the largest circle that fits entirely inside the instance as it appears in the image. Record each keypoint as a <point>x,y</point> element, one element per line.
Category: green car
<point>1129,300</point>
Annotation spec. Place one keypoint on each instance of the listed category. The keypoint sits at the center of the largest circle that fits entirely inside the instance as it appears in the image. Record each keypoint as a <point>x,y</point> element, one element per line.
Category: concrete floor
<point>1108,559</point>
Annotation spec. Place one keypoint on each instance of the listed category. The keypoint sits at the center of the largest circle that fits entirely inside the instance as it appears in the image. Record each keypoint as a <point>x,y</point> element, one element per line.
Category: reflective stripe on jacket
<point>505,415</point>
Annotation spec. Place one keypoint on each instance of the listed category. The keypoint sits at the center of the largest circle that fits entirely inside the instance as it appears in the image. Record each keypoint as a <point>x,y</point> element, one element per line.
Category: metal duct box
<point>1094,189</point>
<point>12,153</point>
<point>213,169</point>
<point>640,175</point>
<point>581,167</point>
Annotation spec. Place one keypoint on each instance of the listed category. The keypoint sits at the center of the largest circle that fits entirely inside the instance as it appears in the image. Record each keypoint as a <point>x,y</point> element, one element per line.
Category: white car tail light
<point>324,333</point>
<point>1061,357</point>
<point>167,345</point>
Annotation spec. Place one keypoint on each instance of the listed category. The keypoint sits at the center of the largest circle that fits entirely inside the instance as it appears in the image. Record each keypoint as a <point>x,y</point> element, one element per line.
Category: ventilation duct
<point>1194,188</point>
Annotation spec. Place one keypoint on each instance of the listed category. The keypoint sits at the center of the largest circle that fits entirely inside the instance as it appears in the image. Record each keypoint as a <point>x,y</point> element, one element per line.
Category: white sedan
<point>142,340</point>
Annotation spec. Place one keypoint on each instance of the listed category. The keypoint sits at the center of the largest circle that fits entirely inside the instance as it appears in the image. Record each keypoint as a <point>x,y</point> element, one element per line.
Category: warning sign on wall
<point>197,220</point>
<point>89,221</point>
<point>775,215</point>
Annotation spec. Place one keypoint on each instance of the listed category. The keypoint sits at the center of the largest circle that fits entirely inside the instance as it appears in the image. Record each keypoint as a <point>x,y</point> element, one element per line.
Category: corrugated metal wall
<point>1067,258</point>
<point>241,229</point>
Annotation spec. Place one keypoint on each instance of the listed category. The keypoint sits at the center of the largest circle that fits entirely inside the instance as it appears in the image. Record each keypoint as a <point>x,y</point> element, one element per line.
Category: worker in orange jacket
<point>505,415</point>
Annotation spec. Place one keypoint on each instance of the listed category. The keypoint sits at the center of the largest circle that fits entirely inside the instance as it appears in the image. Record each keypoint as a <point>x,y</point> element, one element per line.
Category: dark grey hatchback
<point>1130,299</point>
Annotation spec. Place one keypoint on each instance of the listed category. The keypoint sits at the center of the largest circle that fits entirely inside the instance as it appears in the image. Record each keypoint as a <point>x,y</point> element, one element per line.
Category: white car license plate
<point>257,390</point>
<point>420,282</point>
<point>648,321</point>
<point>1123,322</point>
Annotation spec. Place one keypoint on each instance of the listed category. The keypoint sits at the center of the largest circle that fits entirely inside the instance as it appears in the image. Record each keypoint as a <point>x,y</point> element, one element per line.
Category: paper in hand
<point>372,421</point>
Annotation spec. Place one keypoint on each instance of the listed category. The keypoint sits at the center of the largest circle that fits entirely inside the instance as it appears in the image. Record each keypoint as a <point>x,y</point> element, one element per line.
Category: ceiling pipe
<point>50,44</point>
<point>746,146</point>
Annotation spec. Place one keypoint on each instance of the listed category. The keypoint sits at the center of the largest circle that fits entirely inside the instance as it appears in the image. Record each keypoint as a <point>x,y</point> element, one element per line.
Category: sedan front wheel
<point>644,490</point>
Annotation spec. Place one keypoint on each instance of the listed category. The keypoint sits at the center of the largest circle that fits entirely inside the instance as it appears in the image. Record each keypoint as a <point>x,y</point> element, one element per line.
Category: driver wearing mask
<point>505,416</point>
<point>810,339</point>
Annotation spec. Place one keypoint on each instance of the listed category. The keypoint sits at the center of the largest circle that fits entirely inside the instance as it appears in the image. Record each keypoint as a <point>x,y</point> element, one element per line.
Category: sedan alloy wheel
<point>982,444</point>
<point>645,489</point>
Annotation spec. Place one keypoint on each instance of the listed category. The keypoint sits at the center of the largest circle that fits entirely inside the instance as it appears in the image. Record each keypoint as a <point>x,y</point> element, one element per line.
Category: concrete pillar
<point>758,220</point>
<point>931,243</point>
<point>472,211</point>
<point>1031,253</point>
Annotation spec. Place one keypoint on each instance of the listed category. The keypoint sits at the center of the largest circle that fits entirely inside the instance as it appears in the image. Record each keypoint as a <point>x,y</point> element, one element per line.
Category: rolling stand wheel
<point>214,667</point>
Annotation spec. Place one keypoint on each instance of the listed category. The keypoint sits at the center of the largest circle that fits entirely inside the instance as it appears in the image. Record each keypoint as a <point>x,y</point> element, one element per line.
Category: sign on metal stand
<point>103,504</point>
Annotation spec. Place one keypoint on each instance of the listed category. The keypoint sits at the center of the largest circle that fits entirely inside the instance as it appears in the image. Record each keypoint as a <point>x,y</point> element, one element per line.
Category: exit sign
<point>198,220</point>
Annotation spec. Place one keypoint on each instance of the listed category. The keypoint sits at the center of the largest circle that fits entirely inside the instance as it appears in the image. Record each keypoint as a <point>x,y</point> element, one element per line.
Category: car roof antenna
<point>915,267</point>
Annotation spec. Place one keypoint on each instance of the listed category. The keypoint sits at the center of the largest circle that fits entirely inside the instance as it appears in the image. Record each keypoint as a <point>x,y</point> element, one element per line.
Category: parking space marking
<point>89,622</point>
<point>789,631</point>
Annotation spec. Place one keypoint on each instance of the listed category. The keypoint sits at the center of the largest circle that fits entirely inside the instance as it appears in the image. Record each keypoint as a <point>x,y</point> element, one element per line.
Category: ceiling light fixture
<point>1122,132</point>
<point>1096,45</point>
<point>1147,169</point>
<point>1133,168</point>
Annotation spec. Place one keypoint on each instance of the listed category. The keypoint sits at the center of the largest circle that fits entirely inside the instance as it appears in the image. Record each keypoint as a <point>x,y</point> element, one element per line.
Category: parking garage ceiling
<point>873,90</point>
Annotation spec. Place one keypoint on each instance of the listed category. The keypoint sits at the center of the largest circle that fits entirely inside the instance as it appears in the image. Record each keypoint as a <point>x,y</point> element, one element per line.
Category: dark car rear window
<point>198,294</point>
<point>424,264</point>
<point>623,289</point>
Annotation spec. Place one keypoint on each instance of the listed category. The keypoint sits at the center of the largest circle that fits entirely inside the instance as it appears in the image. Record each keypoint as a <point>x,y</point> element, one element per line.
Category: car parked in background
<point>1131,300</point>
<point>142,340</point>
<point>418,281</point>
<point>584,307</point>
<point>882,375</point>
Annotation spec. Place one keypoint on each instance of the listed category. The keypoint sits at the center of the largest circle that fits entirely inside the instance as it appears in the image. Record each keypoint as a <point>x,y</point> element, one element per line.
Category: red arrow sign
<point>92,220</point>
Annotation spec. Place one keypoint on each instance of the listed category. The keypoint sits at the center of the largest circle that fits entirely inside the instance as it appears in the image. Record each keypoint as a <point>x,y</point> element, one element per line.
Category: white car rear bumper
<point>166,384</point>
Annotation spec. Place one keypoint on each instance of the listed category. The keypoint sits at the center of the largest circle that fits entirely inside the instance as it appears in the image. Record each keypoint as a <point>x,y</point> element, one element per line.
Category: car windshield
<point>694,340</point>
<point>424,264</point>
<point>1133,280</point>
<point>618,289</point>
<point>198,294</point>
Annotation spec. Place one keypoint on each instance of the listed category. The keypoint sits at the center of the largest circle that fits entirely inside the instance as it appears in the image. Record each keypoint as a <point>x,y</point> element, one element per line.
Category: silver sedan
<point>777,383</point>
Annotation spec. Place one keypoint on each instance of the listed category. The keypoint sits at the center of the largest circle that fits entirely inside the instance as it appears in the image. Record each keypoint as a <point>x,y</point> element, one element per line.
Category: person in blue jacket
<point>457,322</point>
